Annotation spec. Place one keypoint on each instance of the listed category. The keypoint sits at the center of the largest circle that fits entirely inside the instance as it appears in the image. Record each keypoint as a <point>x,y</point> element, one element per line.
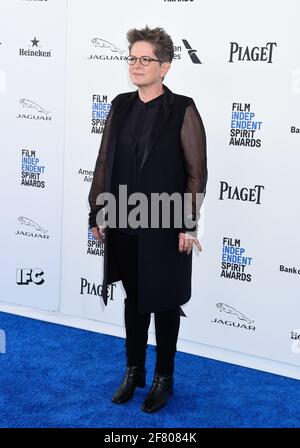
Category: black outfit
<point>132,141</point>
<point>173,161</point>
<point>159,146</point>
<point>131,145</point>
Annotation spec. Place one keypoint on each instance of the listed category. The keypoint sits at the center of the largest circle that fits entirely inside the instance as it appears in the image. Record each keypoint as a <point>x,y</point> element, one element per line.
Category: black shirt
<point>132,142</point>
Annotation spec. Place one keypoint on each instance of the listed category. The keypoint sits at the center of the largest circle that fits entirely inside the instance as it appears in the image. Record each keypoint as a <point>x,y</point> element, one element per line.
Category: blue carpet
<point>56,376</point>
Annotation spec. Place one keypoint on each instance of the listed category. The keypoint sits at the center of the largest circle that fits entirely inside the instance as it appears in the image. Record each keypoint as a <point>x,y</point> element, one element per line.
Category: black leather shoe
<point>135,376</point>
<point>162,388</point>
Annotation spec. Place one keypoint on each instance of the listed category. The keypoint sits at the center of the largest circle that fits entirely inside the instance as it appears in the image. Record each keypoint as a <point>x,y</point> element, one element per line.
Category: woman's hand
<point>186,242</point>
<point>99,233</point>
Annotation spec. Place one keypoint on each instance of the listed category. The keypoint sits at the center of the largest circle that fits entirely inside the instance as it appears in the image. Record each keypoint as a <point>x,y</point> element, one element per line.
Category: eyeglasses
<point>144,60</point>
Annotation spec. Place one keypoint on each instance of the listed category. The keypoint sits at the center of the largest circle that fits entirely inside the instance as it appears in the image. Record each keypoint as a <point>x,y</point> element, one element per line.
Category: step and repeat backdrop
<point>61,64</point>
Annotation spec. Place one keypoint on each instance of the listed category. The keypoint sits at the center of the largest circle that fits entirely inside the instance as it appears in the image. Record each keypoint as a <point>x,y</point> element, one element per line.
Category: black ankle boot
<point>135,376</point>
<point>162,388</point>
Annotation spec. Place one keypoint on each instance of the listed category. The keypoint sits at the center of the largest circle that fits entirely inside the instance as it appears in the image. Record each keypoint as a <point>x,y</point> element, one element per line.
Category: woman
<point>153,142</point>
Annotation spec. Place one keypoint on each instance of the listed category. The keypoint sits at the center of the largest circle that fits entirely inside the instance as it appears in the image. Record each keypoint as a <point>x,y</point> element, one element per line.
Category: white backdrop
<point>48,103</point>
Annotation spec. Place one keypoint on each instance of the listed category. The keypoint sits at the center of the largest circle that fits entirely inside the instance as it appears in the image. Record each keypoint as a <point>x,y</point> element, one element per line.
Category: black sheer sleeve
<point>98,183</point>
<point>193,141</point>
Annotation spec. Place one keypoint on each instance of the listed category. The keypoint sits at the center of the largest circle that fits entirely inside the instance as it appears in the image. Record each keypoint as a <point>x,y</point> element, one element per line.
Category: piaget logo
<point>248,194</point>
<point>254,54</point>
<point>95,289</point>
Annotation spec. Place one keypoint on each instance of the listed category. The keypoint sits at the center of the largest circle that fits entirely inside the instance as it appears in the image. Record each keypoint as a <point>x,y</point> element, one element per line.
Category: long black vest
<point>164,273</point>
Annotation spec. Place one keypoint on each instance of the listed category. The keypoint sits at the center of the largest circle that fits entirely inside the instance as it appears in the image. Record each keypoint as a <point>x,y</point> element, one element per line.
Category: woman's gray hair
<point>161,41</point>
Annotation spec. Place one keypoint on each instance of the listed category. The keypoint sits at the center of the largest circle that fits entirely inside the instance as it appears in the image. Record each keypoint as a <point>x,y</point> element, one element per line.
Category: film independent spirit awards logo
<point>32,171</point>
<point>244,127</point>
<point>235,263</point>
<point>100,109</point>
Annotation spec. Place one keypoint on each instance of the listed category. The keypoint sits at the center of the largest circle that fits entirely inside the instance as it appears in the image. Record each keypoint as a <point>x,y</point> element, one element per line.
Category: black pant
<point>124,251</point>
